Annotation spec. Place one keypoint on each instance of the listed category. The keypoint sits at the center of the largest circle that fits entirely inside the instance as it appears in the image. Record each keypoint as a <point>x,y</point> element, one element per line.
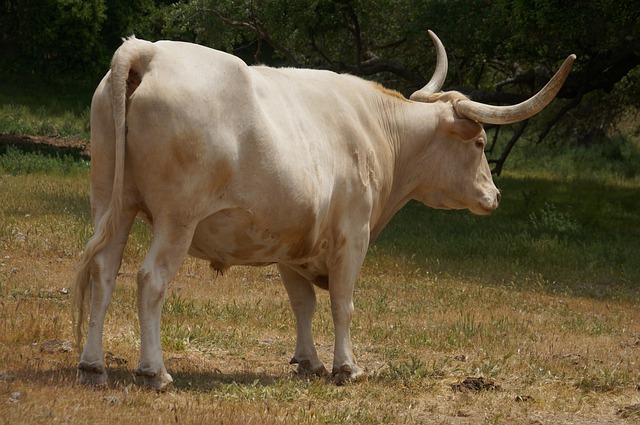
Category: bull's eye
<point>480,143</point>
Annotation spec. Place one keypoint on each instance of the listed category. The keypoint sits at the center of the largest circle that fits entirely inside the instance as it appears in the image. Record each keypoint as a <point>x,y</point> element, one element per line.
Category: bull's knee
<point>150,290</point>
<point>143,278</point>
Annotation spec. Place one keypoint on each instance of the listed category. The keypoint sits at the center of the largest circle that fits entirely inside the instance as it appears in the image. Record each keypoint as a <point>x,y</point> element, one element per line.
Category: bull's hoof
<point>305,368</point>
<point>92,373</point>
<point>158,381</point>
<point>347,374</point>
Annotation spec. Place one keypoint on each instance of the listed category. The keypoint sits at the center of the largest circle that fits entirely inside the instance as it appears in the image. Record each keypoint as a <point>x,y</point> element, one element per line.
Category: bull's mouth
<point>484,205</point>
<point>483,210</point>
<point>486,208</point>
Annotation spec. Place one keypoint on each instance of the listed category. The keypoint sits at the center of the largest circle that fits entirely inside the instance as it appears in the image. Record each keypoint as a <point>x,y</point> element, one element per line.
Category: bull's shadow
<point>207,381</point>
<point>122,377</point>
<point>203,381</point>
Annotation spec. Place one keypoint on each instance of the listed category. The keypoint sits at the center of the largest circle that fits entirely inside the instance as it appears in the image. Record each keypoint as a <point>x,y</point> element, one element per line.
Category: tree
<point>500,51</point>
<point>516,57</point>
<point>66,39</point>
<point>50,37</point>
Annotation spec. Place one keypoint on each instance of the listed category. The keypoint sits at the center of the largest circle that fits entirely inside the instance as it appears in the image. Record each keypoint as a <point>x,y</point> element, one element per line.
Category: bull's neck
<point>414,125</point>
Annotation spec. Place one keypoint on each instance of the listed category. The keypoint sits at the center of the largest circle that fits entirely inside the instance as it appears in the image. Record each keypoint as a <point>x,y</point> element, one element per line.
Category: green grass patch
<point>21,119</point>
<point>16,162</point>
<point>617,157</point>
<point>30,107</point>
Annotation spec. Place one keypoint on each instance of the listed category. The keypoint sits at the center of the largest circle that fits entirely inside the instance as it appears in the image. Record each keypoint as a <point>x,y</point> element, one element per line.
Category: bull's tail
<point>127,67</point>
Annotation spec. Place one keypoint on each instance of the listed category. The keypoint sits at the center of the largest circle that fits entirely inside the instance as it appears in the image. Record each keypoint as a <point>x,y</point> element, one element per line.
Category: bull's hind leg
<point>104,269</point>
<point>302,296</point>
<point>169,247</point>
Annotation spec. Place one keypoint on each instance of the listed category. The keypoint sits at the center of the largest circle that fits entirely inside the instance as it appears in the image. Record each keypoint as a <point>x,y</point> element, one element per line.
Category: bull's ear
<point>463,128</point>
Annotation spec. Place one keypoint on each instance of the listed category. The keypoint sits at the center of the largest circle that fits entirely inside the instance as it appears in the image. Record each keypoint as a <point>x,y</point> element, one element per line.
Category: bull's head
<point>463,178</point>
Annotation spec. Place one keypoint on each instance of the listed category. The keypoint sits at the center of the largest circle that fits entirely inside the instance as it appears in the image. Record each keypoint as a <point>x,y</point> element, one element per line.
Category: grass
<point>14,161</point>
<point>541,298</point>
<point>45,108</point>
<point>18,119</point>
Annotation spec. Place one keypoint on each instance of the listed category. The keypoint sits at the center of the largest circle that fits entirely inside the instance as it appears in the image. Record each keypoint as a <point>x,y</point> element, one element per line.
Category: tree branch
<point>492,97</point>
<point>354,29</point>
<point>320,52</point>
<point>376,65</point>
<point>558,116</point>
<point>495,138</point>
<point>505,152</point>
<point>258,28</point>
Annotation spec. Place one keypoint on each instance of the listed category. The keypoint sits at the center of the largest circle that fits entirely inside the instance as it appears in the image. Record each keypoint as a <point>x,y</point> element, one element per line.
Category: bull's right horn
<point>490,114</point>
<point>439,74</point>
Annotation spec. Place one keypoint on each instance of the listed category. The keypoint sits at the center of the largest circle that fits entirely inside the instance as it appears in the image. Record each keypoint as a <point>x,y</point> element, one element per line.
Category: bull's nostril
<point>498,197</point>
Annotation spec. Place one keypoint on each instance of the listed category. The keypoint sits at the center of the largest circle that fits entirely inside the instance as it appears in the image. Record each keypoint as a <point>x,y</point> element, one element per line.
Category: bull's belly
<point>223,254</point>
<point>233,237</point>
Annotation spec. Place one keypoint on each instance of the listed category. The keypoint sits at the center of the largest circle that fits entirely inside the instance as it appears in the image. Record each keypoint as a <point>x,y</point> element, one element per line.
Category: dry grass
<point>555,357</point>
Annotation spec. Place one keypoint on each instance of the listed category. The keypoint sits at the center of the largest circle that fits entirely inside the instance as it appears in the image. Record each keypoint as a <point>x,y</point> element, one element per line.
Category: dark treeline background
<point>499,51</point>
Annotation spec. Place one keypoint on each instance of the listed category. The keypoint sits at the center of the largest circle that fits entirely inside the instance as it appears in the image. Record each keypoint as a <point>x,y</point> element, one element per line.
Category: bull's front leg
<point>302,296</point>
<point>342,277</point>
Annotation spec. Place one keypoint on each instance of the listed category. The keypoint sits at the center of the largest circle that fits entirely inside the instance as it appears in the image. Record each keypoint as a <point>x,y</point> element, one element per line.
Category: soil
<point>51,145</point>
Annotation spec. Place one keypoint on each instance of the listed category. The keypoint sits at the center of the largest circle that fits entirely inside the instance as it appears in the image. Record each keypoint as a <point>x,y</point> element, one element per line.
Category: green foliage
<point>604,380</point>
<point>51,38</point>
<point>548,219</point>
<point>65,40</point>
<point>531,32</point>
<point>308,33</point>
<point>409,370</point>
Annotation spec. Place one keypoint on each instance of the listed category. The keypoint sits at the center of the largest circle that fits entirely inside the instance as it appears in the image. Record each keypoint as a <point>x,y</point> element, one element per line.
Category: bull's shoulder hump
<point>307,76</point>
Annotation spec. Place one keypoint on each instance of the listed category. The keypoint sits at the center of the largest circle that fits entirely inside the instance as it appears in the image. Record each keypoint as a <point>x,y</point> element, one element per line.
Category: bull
<point>252,165</point>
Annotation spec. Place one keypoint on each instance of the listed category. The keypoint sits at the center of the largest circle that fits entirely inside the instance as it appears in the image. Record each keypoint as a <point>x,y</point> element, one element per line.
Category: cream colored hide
<point>242,165</point>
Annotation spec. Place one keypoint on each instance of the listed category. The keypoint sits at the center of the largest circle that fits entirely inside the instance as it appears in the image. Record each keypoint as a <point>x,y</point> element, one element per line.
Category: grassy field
<point>29,107</point>
<point>538,304</point>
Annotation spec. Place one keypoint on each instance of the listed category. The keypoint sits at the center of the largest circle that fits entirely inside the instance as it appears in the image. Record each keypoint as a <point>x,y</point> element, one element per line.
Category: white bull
<point>244,165</point>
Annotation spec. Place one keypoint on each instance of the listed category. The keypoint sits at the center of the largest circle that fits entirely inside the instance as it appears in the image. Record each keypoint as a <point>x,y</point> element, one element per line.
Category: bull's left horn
<point>439,74</point>
<point>491,114</point>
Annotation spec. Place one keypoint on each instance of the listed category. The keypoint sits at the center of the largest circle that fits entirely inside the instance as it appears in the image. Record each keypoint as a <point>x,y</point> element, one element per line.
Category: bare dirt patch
<point>47,144</point>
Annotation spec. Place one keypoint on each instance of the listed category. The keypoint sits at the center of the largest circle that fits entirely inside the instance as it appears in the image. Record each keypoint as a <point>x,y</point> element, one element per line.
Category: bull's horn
<point>490,114</point>
<point>439,75</point>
